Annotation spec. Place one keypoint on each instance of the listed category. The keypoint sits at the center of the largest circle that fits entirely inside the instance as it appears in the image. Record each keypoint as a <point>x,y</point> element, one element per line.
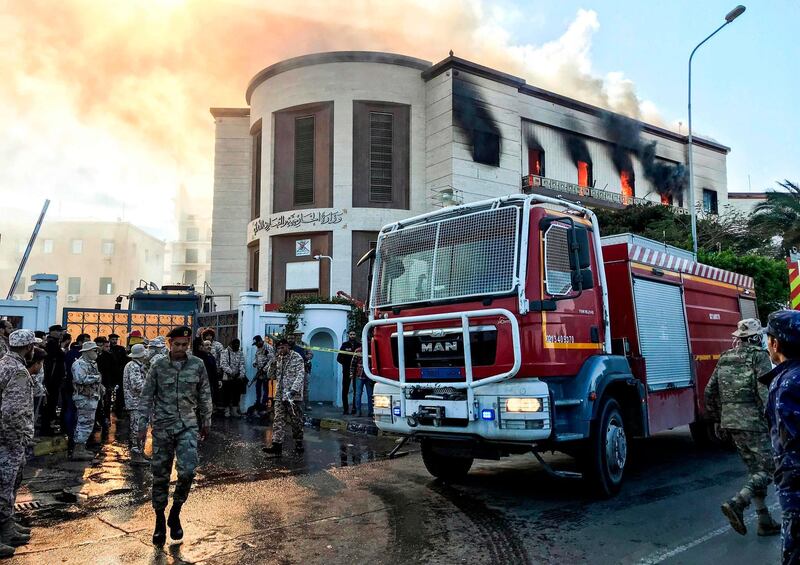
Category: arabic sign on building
<point>298,219</point>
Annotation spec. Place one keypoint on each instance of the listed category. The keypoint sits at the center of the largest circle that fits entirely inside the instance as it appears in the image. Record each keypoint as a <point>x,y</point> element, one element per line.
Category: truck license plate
<point>440,373</point>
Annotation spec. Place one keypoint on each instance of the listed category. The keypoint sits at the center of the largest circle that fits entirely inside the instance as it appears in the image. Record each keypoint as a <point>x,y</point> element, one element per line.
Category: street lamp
<point>330,273</point>
<point>732,15</point>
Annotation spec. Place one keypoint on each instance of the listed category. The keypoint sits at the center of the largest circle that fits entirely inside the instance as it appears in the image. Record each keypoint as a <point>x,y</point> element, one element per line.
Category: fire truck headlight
<point>523,405</point>
<point>381,401</point>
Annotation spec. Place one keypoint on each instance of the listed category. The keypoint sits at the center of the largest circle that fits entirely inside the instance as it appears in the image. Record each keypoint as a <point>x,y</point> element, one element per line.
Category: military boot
<point>160,531</point>
<point>174,522</point>
<point>766,525</point>
<point>82,454</point>
<point>6,551</point>
<point>138,459</point>
<point>275,450</point>
<point>298,447</point>
<point>20,528</point>
<point>734,512</point>
<point>10,536</point>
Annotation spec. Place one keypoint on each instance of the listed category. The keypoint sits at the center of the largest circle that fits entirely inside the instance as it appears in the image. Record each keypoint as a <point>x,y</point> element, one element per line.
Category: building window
<point>584,174</point>
<point>77,246</point>
<point>190,277</point>
<point>48,246</point>
<point>628,186</point>
<point>191,255</point>
<point>74,285</point>
<point>381,148</point>
<point>710,201</point>
<point>192,234</point>
<point>255,197</point>
<point>381,126</point>
<point>107,248</point>
<point>106,286</point>
<point>304,160</point>
<point>536,162</point>
<point>253,257</point>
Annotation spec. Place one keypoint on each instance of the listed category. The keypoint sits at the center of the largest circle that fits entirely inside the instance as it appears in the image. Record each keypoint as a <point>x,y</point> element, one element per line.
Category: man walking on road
<point>16,434</point>
<point>735,400</point>
<point>88,390</point>
<point>179,395</point>
<point>133,377</point>
<point>345,360</point>
<point>288,371</point>
<point>264,356</point>
<point>783,418</point>
<point>54,374</point>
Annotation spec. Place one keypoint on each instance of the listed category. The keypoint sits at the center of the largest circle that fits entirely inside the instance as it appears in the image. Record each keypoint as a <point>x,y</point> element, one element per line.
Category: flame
<point>535,162</point>
<point>666,200</point>
<point>583,173</point>
<point>626,180</point>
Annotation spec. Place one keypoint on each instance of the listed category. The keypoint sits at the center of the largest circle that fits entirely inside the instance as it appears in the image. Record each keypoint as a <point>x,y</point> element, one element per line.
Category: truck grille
<point>447,350</point>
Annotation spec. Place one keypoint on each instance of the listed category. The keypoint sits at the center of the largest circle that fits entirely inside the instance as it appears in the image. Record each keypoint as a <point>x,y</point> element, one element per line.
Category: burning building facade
<point>335,145</point>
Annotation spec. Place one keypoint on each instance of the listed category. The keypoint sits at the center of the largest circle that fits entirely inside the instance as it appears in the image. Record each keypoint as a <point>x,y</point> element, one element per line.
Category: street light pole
<point>330,273</point>
<point>732,15</point>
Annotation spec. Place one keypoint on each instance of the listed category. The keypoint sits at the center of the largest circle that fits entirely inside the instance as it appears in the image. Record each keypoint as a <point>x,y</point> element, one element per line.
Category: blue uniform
<point>783,416</point>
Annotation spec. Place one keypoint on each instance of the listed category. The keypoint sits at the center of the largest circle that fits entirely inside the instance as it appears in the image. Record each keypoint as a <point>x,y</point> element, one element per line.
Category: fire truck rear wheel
<point>441,466</point>
<point>607,452</point>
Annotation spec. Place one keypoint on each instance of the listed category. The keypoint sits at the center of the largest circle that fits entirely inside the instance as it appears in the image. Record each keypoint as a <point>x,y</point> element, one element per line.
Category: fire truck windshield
<point>457,257</point>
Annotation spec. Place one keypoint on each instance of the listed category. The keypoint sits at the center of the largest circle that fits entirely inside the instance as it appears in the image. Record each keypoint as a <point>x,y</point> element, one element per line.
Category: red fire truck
<point>510,326</point>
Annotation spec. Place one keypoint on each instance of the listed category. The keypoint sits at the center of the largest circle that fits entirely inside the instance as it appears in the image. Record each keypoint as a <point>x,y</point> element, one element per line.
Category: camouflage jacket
<point>289,372</point>
<point>216,350</point>
<point>16,401</point>
<point>3,346</point>
<point>734,396</point>
<point>232,365</point>
<point>133,377</point>
<point>86,378</point>
<point>264,357</point>
<point>176,397</point>
<point>783,417</point>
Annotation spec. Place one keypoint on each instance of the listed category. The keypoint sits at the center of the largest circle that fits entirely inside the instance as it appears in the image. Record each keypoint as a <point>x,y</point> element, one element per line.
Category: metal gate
<point>663,338</point>
<point>102,322</point>
<point>224,323</point>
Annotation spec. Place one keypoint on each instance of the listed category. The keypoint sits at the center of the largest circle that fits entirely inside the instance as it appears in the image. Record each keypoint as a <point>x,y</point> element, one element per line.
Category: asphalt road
<point>343,502</point>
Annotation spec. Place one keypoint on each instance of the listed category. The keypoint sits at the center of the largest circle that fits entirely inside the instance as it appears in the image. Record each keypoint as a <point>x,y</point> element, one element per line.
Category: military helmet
<point>784,325</point>
<point>747,328</point>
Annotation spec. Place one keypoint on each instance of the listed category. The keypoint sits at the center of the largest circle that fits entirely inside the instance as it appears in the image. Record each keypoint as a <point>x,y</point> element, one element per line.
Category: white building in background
<point>335,145</point>
<point>188,257</point>
<point>746,201</point>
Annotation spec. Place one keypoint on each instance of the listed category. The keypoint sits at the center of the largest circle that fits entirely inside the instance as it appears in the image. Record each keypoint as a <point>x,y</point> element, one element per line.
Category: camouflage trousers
<point>291,412</point>
<point>86,407</point>
<point>168,446</point>
<point>755,450</point>
<point>790,538</point>
<point>134,416</point>
<point>12,461</point>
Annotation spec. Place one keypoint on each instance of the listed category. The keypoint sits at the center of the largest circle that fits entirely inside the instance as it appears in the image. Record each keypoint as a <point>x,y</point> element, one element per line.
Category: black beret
<point>180,331</point>
<point>113,335</point>
<point>56,328</point>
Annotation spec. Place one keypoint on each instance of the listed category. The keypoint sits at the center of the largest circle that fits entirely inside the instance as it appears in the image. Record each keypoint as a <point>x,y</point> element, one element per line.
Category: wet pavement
<point>344,502</point>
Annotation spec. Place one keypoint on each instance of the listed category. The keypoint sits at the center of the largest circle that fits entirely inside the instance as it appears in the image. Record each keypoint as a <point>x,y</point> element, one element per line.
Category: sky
<point>105,104</point>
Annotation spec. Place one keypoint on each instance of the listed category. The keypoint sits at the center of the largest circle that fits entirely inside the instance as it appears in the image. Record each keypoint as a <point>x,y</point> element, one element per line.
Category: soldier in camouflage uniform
<point>178,394</point>
<point>5,330</point>
<point>16,433</point>
<point>735,400</point>
<point>88,390</point>
<point>157,347</point>
<point>133,377</point>
<point>288,371</point>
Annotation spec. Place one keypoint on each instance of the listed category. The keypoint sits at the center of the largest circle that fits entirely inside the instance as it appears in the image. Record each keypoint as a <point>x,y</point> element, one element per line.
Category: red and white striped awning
<point>668,262</point>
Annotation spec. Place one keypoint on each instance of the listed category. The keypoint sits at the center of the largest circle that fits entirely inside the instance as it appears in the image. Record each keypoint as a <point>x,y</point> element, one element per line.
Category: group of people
<point>754,399</point>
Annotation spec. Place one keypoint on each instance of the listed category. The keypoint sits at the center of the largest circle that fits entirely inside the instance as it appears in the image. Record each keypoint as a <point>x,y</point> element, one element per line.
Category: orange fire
<point>535,162</point>
<point>626,179</point>
<point>583,173</point>
<point>666,200</point>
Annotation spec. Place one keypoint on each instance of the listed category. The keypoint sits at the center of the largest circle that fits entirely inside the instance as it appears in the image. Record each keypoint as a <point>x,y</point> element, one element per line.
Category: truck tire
<point>441,466</point>
<point>607,454</point>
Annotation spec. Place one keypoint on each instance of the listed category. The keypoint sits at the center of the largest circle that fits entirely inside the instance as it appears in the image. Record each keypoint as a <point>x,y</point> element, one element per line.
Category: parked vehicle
<point>510,326</point>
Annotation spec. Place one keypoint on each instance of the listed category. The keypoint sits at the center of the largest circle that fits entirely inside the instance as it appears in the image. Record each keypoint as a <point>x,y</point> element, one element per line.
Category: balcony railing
<point>530,183</point>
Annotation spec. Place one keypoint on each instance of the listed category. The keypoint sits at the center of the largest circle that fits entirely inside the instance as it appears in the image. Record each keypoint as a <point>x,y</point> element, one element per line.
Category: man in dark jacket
<point>345,359</point>
<point>54,372</point>
<point>783,417</point>
<point>107,366</point>
<point>121,357</point>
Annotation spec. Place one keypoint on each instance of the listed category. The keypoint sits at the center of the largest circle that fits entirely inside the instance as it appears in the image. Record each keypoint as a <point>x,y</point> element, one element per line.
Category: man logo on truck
<point>439,347</point>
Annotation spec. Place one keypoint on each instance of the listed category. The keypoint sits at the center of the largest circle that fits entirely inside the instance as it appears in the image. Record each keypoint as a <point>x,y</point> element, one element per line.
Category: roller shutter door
<point>747,306</point>
<point>662,334</point>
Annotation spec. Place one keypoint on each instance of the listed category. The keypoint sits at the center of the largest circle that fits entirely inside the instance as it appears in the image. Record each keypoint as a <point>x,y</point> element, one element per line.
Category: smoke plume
<point>474,117</point>
<point>576,145</point>
<point>105,104</point>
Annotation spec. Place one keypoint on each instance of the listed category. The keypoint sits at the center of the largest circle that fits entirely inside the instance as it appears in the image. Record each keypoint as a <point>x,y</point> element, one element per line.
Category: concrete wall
<point>232,164</point>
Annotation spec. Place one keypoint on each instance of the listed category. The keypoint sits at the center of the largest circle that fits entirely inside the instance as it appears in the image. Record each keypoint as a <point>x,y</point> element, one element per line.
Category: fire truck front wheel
<point>442,465</point>
<point>607,451</point>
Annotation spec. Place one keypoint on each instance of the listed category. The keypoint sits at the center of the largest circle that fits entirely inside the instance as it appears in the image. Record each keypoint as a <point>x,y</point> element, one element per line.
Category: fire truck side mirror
<point>580,257</point>
<point>582,280</point>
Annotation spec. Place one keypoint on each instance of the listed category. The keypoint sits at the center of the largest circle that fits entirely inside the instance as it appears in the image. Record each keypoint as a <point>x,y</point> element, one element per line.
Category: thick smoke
<point>625,136</point>
<point>472,114</point>
<point>576,145</point>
